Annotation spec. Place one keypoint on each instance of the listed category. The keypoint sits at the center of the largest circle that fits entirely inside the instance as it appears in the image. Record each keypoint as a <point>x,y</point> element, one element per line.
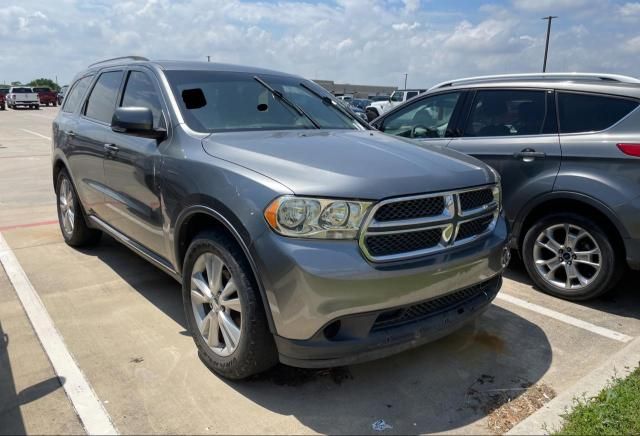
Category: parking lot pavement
<point>122,321</point>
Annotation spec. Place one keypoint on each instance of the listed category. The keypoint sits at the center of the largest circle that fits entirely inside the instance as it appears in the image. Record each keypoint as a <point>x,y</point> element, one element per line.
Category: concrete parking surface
<point>123,323</point>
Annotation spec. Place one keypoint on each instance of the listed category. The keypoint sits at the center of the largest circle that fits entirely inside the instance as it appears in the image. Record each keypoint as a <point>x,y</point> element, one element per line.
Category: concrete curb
<point>548,418</point>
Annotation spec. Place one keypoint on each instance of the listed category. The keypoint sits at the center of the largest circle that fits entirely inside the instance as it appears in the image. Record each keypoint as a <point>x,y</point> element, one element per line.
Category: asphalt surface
<point>122,321</point>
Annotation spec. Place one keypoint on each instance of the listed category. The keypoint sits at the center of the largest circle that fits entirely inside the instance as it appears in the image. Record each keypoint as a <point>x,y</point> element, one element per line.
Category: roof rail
<point>540,76</point>
<point>133,58</point>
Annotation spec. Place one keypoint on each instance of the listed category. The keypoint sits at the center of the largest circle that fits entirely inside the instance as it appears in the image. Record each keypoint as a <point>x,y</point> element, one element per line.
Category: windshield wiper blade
<point>329,102</point>
<point>285,100</point>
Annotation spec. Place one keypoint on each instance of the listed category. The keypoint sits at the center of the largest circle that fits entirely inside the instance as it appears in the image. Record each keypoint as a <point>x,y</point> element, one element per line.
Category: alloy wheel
<point>67,208</point>
<point>216,304</point>
<point>567,256</point>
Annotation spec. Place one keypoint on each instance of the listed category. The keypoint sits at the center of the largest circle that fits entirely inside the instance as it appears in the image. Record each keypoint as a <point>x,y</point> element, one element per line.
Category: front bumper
<point>310,283</point>
<point>359,340</point>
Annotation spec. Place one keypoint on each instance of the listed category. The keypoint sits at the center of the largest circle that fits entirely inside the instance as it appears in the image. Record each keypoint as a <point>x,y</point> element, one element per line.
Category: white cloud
<point>630,10</point>
<point>355,41</point>
<point>551,6</point>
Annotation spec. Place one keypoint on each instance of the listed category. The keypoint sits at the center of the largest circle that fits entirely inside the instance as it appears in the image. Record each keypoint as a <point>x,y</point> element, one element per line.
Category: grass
<point>614,411</point>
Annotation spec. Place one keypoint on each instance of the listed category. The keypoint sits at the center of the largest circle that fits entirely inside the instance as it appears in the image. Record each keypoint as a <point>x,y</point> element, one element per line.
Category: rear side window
<point>507,113</point>
<point>140,92</point>
<point>411,94</point>
<point>591,113</point>
<point>102,101</point>
<point>73,98</point>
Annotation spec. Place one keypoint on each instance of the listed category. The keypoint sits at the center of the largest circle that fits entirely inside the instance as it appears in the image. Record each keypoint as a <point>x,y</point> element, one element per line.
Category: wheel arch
<point>567,201</point>
<point>196,218</point>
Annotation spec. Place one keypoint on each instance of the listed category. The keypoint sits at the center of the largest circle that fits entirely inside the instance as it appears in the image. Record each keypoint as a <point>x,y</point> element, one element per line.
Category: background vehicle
<point>358,105</point>
<point>62,93</point>
<point>297,233</point>
<point>398,97</point>
<point>46,96</point>
<point>568,149</point>
<point>22,96</point>
<point>3,93</point>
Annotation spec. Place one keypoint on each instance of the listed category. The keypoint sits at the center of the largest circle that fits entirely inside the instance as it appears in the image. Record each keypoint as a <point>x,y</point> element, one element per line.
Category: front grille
<point>409,209</point>
<point>420,311</point>
<point>423,224</point>
<point>474,227</point>
<point>394,243</point>
<point>474,199</point>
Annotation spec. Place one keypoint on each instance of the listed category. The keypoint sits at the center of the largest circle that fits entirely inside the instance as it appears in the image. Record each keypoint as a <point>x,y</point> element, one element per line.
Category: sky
<point>349,41</point>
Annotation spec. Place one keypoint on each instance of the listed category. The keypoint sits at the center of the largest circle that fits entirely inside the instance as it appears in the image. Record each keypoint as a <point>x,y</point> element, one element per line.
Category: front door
<point>131,167</point>
<point>515,132</point>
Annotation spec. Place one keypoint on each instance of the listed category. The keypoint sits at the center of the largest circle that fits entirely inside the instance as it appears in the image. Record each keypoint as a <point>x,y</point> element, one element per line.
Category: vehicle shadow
<point>623,301</point>
<point>11,421</point>
<point>438,387</point>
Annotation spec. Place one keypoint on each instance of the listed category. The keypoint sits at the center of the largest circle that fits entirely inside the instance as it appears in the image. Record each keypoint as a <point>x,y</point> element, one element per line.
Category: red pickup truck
<point>46,96</point>
<point>3,92</point>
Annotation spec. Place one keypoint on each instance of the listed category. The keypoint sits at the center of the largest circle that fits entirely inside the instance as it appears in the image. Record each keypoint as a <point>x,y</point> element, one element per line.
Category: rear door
<point>81,141</point>
<point>514,131</point>
<point>428,119</point>
<point>131,168</point>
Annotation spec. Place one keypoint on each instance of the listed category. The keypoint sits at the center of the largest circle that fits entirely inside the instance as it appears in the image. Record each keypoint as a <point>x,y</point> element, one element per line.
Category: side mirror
<point>136,121</point>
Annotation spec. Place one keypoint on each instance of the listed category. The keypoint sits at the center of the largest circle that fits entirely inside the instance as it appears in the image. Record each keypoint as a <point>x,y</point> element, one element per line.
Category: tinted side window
<point>74,96</point>
<point>507,113</point>
<point>591,113</point>
<point>411,94</point>
<point>426,118</point>
<point>102,100</point>
<point>141,92</point>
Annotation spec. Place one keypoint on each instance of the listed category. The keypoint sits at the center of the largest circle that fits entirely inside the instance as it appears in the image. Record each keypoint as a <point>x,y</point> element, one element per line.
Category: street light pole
<point>405,80</point>
<point>546,47</point>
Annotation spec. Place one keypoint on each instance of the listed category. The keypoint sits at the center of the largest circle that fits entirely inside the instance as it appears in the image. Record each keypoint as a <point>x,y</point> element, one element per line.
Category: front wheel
<point>72,222</point>
<point>223,308</point>
<point>570,256</point>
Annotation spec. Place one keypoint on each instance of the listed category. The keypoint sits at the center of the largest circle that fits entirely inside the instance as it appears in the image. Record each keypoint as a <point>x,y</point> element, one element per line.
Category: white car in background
<point>22,96</point>
<point>377,108</point>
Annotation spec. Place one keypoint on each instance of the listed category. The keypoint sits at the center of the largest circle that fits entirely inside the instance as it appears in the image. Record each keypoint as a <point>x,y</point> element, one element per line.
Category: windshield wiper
<point>329,102</point>
<point>285,100</point>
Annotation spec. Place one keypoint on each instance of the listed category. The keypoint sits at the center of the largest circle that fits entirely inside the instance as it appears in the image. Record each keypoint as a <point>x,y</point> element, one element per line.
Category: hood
<point>349,163</point>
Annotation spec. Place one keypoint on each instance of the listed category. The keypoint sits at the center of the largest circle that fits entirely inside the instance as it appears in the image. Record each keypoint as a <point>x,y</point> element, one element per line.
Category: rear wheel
<point>570,256</point>
<point>72,222</point>
<point>223,308</point>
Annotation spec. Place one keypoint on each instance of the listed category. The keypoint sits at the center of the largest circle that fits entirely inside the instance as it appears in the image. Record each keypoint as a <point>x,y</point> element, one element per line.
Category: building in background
<point>358,91</point>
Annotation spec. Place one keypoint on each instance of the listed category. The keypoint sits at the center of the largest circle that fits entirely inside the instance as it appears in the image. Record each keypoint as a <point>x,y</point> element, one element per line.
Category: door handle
<point>70,133</point>
<point>529,154</point>
<point>111,148</point>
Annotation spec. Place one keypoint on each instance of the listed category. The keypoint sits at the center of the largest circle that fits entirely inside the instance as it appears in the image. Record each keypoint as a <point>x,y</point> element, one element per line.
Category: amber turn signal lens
<point>271,213</point>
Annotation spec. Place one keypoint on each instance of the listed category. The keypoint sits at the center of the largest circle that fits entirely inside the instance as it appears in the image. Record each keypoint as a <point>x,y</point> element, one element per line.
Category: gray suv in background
<point>568,149</point>
<point>296,231</point>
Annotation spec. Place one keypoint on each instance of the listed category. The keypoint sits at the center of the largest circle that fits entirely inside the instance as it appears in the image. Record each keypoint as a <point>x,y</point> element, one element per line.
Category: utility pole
<point>405,80</point>
<point>208,58</point>
<point>546,47</point>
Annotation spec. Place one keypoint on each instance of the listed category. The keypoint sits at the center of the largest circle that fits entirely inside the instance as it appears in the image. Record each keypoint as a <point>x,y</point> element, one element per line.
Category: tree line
<point>44,82</point>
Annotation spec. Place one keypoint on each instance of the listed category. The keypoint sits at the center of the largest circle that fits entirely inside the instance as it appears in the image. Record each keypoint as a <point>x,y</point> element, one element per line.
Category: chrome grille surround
<point>448,223</point>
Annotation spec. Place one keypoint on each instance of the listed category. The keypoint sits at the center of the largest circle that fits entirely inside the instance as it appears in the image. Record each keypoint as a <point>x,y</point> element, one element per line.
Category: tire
<point>55,103</point>
<point>255,350</point>
<point>78,234</point>
<point>572,278</point>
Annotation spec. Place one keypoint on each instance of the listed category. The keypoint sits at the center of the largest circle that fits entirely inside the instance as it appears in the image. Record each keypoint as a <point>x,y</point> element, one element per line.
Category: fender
<point>237,234</point>
<point>563,195</point>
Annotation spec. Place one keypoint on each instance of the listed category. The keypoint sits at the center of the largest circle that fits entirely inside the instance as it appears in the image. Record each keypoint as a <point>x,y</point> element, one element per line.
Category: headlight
<point>497,195</point>
<point>319,218</point>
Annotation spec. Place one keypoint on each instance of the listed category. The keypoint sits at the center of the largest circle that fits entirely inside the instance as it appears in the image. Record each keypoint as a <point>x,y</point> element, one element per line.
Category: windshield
<point>397,96</point>
<point>213,101</point>
<point>22,90</point>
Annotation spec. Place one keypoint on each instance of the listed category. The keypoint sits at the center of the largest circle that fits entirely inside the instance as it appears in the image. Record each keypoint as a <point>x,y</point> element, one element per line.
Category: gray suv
<point>298,233</point>
<point>567,147</point>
